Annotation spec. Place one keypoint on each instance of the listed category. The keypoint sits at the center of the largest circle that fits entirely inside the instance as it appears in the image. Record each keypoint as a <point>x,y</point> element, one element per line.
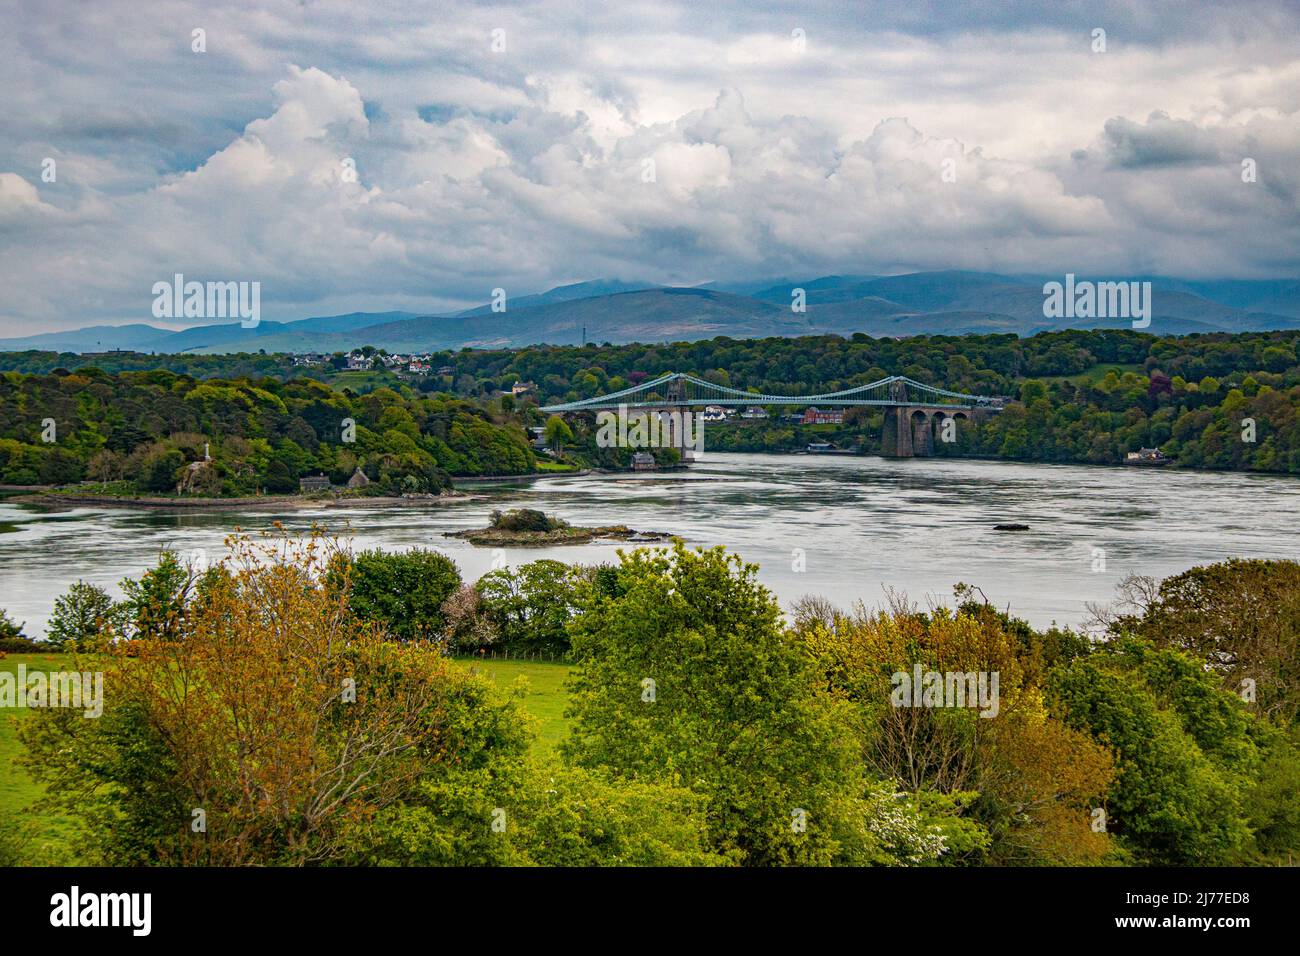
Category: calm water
<point>863,524</point>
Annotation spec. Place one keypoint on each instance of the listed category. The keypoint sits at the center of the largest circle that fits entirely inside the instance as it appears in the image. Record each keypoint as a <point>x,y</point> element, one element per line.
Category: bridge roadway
<point>912,424</point>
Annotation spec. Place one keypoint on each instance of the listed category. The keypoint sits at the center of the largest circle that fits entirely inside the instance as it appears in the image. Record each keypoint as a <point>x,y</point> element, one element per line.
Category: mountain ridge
<point>949,302</point>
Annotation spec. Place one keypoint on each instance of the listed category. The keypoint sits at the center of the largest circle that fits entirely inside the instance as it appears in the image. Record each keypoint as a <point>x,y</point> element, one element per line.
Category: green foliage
<point>557,432</point>
<point>530,607</point>
<point>525,519</point>
<point>1242,618</point>
<point>402,590</point>
<point>1272,806</point>
<point>685,676</point>
<point>79,615</point>
<point>155,606</point>
<point>10,631</point>
<point>1182,747</point>
<point>263,434</point>
<point>516,814</point>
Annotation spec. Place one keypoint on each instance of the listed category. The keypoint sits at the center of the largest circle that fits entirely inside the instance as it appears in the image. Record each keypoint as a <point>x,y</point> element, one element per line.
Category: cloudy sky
<point>528,145</point>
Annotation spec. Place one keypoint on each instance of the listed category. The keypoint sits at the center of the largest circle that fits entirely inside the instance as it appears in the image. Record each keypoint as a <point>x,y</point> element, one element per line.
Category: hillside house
<point>830,416</point>
<point>314,483</point>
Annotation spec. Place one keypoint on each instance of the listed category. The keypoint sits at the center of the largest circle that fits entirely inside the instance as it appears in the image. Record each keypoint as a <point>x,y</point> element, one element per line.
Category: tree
<point>156,606</point>
<point>402,591</point>
<point>557,433</point>
<point>466,626</point>
<point>686,676</point>
<point>1241,618</point>
<point>1171,803</point>
<point>271,732</point>
<point>80,615</point>
<point>9,631</point>
<point>529,607</point>
<point>160,469</point>
<point>1019,776</point>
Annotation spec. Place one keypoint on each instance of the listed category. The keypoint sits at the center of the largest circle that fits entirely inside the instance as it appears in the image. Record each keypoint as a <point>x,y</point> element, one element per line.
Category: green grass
<point>52,838</point>
<point>546,698</point>
<point>543,465</point>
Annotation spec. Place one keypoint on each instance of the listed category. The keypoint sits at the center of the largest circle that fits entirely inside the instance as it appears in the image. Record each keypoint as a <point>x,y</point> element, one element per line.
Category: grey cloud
<point>527,169</point>
<point>1160,141</point>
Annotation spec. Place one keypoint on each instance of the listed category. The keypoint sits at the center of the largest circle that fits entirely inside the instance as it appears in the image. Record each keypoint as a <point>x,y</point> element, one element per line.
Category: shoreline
<point>46,497</point>
<point>243,504</point>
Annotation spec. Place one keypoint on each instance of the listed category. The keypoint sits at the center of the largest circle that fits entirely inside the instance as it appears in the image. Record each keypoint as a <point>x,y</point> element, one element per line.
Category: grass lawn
<point>53,838</point>
<point>546,698</point>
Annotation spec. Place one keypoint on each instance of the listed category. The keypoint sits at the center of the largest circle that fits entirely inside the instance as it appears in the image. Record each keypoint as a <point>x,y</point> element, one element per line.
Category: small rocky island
<point>525,526</point>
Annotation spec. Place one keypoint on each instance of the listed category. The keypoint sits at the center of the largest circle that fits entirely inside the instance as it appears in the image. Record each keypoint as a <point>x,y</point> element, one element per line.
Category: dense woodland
<point>1209,401</point>
<point>143,431</point>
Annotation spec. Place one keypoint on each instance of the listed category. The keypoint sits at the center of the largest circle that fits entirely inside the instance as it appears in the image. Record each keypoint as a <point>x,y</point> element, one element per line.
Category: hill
<point>619,311</point>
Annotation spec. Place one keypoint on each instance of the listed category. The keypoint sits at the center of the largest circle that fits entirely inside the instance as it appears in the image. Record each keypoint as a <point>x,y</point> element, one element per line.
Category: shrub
<point>402,590</point>
<point>525,519</point>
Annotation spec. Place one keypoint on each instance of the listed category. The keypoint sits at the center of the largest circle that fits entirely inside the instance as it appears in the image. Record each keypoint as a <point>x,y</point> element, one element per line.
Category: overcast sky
<point>664,141</point>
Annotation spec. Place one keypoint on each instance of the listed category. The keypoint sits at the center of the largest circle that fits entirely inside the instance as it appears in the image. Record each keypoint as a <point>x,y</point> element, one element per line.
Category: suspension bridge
<point>915,413</point>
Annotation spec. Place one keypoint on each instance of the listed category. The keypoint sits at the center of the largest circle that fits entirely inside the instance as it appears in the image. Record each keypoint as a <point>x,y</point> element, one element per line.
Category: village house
<point>358,479</point>
<point>753,411</point>
<point>643,461</point>
<point>713,413</point>
<point>522,388</point>
<point>1147,456</point>
<point>816,416</point>
<point>314,483</point>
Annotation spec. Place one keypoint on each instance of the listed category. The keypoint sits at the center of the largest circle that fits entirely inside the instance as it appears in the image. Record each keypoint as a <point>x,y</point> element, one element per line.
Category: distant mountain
<point>566,293</point>
<point>348,322</point>
<point>95,338</point>
<point>652,315</point>
<point>613,310</point>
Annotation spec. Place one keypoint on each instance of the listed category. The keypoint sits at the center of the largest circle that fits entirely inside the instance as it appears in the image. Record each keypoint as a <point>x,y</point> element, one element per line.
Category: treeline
<point>147,432</point>
<point>706,727</point>
<point>1215,400</point>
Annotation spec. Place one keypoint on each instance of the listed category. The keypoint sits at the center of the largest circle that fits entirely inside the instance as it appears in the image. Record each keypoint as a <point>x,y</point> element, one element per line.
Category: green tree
<point>402,590</point>
<point>558,433</point>
<point>8,629</point>
<point>1171,803</point>
<point>80,615</point>
<point>685,676</point>
<point>156,606</point>
<point>530,607</point>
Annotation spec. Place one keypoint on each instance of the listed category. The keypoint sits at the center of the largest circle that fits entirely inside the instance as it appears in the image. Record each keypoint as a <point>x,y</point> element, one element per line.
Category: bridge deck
<point>680,390</point>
